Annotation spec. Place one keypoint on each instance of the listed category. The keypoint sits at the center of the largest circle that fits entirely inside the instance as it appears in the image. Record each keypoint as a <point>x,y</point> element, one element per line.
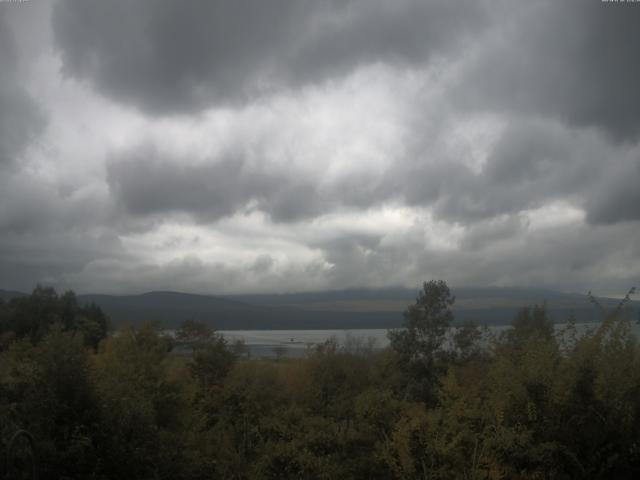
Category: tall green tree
<point>420,345</point>
<point>33,316</point>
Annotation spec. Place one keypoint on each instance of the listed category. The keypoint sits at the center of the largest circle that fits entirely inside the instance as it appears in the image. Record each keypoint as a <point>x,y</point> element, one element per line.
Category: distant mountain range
<point>348,309</point>
<point>9,294</point>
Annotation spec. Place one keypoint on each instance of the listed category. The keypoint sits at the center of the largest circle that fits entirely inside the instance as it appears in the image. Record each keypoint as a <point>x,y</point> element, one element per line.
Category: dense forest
<point>440,402</point>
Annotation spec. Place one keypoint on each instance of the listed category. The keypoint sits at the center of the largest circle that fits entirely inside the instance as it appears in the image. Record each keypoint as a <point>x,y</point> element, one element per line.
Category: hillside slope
<point>343,309</point>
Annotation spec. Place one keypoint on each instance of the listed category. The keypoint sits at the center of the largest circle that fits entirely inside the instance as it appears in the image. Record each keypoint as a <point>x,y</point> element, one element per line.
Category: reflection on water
<point>294,343</point>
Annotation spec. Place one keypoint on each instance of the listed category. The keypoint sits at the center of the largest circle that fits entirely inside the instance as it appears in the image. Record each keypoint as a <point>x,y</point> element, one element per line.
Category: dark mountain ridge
<point>340,309</point>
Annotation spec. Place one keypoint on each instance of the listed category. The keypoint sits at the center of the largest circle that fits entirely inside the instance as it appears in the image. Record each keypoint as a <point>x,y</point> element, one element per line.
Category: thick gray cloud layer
<point>167,57</point>
<point>617,198</point>
<point>575,61</point>
<point>147,183</point>
<point>534,161</point>
<point>20,117</point>
<point>288,145</point>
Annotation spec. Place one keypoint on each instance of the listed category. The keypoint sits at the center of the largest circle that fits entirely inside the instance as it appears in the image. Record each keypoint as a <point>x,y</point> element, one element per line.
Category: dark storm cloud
<point>575,61</point>
<point>617,199</point>
<point>575,257</point>
<point>355,255</point>
<point>20,118</point>
<point>351,196</point>
<point>148,183</point>
<point>533,162</point>
<point>569,65</point>
<point>174,57</point>
<point>26,259</point>
<point>262,264</point>
<point>538,162</point>
<point>493,231</point>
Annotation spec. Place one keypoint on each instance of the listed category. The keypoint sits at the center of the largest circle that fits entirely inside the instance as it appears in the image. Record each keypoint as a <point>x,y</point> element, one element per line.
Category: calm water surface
<point>294,343</point>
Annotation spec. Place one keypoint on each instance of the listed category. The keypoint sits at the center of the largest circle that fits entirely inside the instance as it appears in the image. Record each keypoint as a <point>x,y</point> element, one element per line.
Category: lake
<point>295,343</point>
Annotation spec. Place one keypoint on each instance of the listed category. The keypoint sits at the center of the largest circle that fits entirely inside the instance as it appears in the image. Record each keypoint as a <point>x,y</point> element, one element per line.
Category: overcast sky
<point>288,145</point>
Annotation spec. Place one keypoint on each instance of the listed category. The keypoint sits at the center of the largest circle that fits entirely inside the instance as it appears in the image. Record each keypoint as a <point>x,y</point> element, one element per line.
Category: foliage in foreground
<point>440,402</point>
